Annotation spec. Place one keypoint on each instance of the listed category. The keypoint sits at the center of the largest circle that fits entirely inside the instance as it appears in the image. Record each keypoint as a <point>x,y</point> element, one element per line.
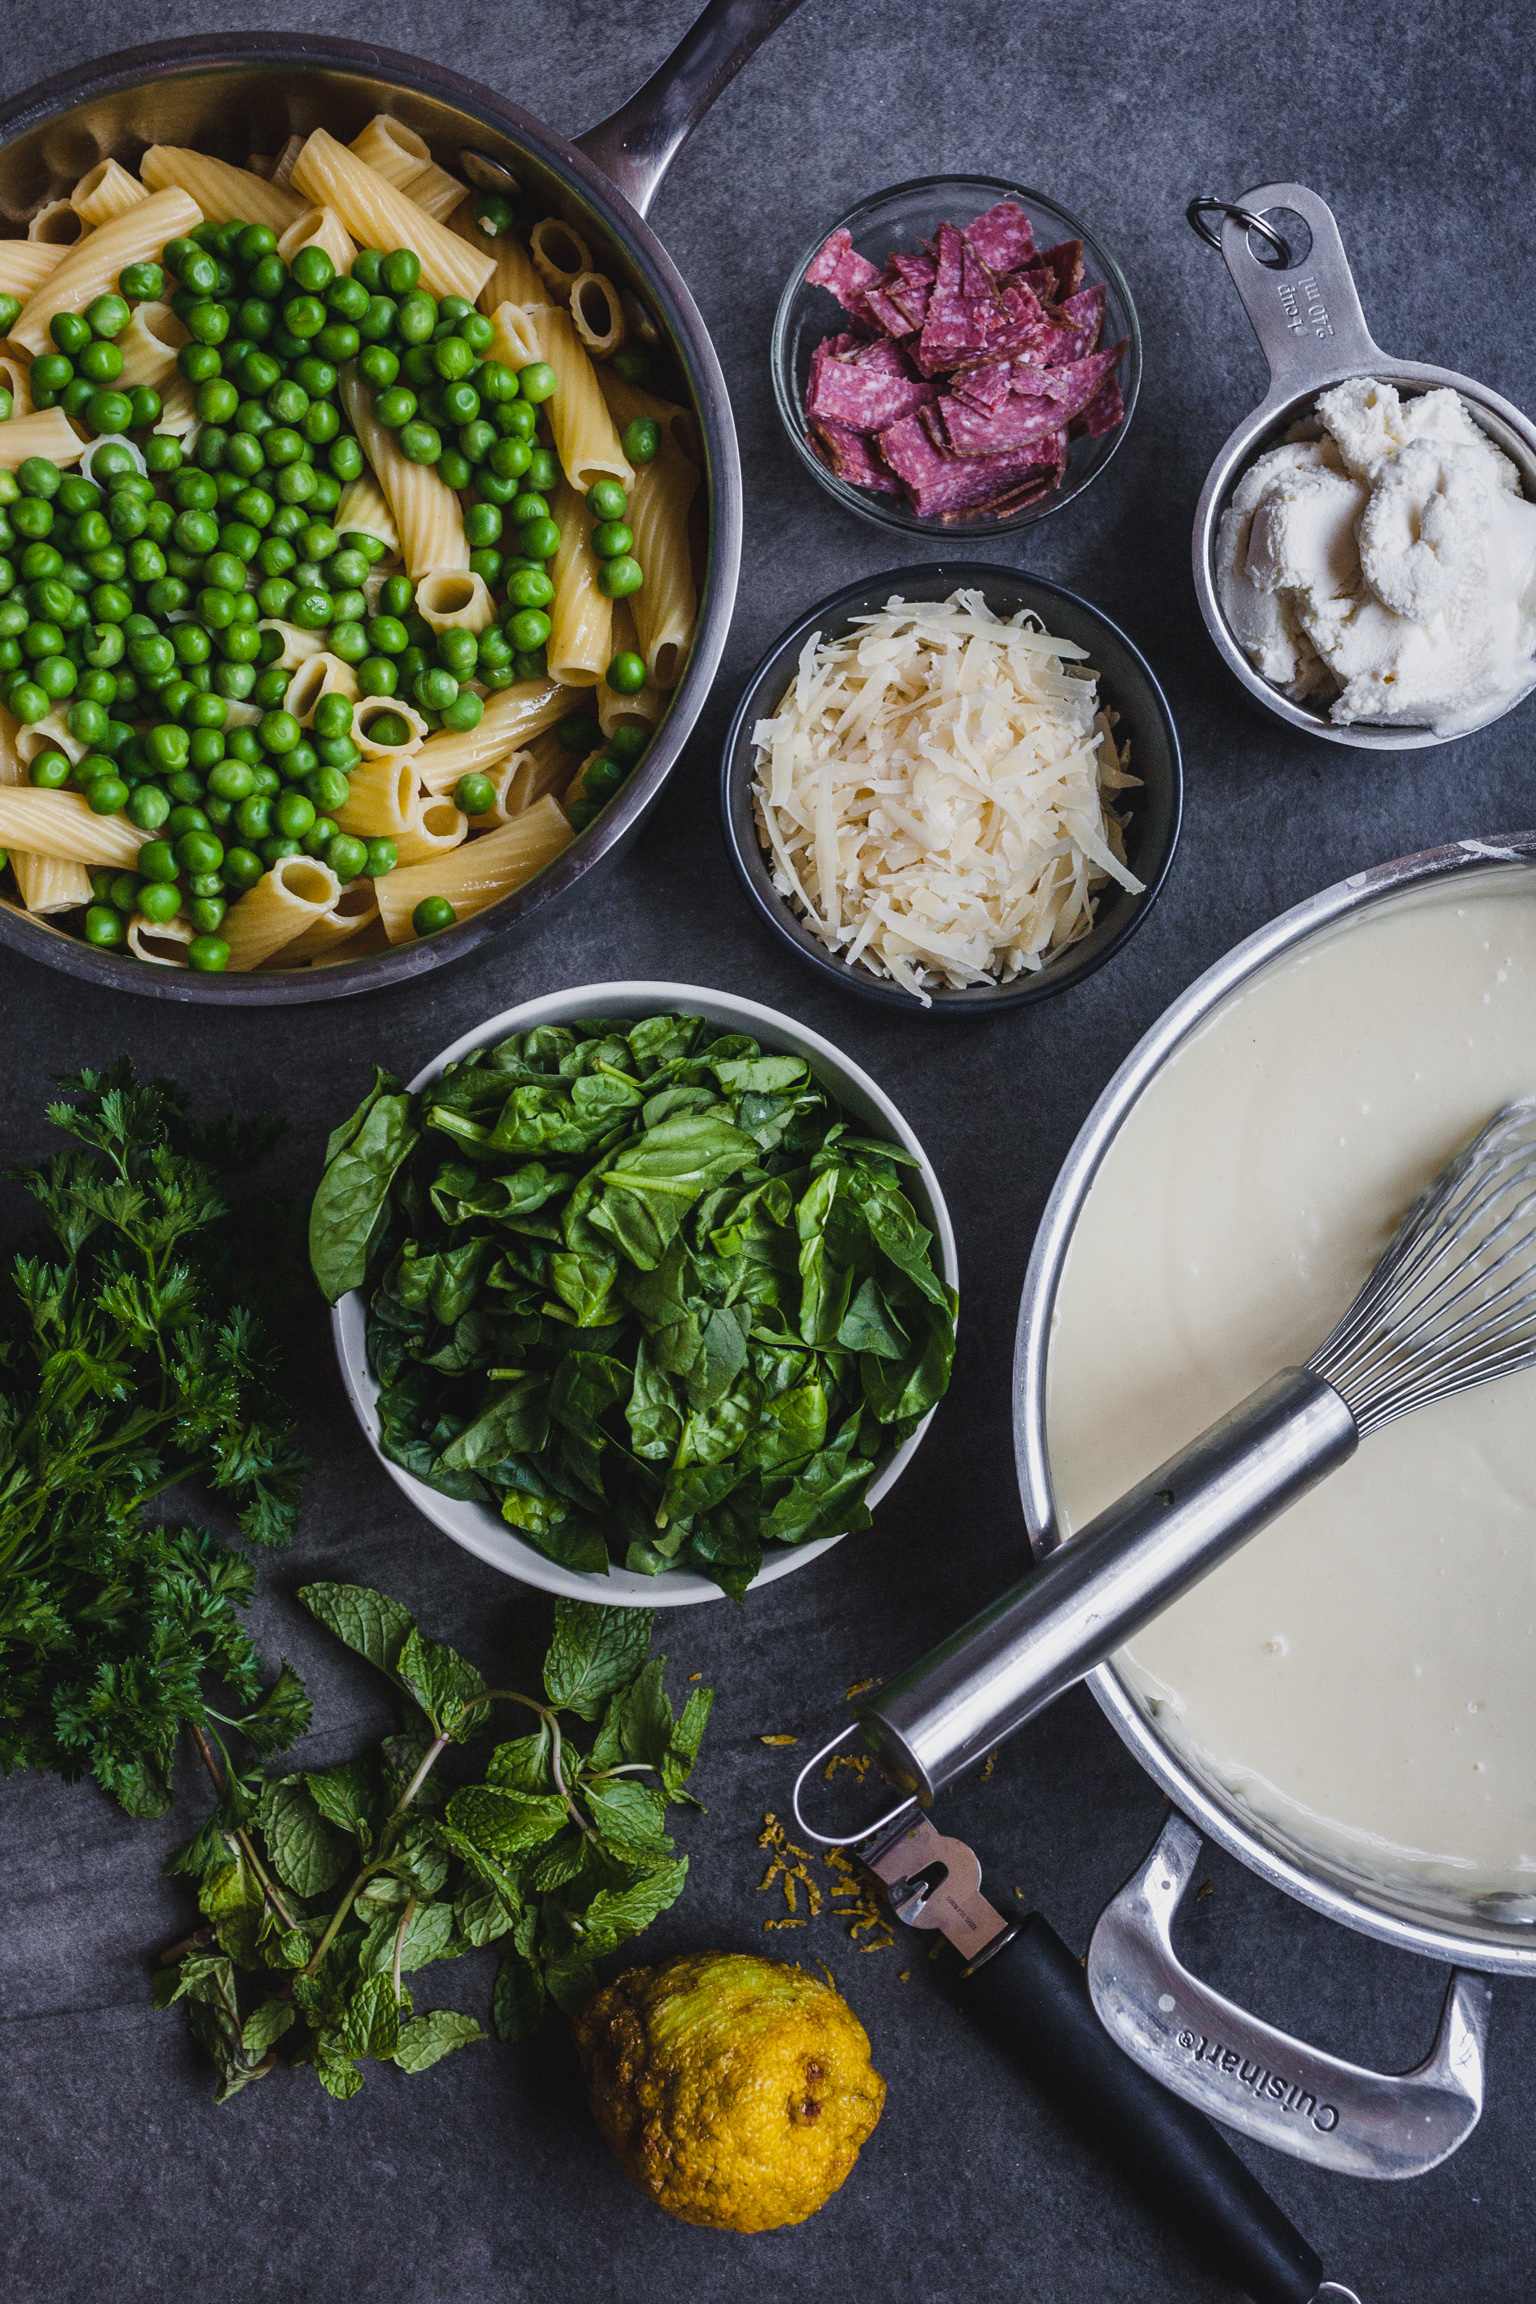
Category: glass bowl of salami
<point>956,353</point>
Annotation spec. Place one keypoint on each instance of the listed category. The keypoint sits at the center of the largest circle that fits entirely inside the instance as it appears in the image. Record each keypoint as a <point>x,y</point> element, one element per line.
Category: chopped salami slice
<point>1002,238</point>
<point>865,389</point>
<point>1064,262</point>
<point>948,487</point>
<point>1084,315</point>
<point>960,308</point>
<point>1017,424</point>
<point>1104,411</point>
<point>888,314</point>
<point>985,387</point>
<point>852,457</point>
<point>840,267</point>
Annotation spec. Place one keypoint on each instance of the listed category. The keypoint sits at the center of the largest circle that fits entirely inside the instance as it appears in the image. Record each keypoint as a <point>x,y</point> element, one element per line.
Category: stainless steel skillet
<point>241,92</point>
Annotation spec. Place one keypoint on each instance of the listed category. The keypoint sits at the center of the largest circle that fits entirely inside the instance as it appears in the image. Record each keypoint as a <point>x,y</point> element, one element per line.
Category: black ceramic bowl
<point>1126,684</point>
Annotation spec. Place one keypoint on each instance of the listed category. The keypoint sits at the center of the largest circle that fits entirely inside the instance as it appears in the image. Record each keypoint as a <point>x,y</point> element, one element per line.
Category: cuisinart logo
<point>1272,2086</point>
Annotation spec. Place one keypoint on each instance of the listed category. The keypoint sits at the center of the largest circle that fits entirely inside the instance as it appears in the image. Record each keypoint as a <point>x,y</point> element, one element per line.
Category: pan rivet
<point>1167,2003</point>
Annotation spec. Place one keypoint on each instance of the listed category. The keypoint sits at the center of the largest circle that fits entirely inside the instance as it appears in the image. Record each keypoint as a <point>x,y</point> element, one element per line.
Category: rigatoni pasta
<point>378,215</point>
<point>105,191</point>
<point>481,872</point>
<point>92,266</point>
<point>220,191</point>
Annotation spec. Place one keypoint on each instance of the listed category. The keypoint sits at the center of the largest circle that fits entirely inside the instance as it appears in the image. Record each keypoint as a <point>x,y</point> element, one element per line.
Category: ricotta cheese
<point>1383,563</point>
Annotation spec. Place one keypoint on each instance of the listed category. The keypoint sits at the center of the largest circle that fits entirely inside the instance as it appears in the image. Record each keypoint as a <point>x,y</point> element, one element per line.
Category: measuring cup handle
<point>1306,316</point>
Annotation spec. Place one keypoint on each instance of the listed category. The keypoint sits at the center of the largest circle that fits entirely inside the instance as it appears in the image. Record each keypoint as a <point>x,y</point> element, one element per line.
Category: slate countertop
<point>486,2177</point>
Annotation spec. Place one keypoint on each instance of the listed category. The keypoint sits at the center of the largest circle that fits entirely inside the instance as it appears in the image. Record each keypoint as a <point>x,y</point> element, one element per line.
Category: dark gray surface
<point>485,2177</point>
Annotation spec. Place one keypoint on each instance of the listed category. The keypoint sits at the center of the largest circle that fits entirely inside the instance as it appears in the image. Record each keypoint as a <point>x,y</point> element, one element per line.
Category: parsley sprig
<point>132,1360</point>
<point>559,1853</point>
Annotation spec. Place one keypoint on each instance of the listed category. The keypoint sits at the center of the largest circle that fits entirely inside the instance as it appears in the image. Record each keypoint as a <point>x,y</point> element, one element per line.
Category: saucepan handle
<point>636,144</point>
<point>1306,314</point>
<point>1032,1997</point>
<point>1259,2080</point>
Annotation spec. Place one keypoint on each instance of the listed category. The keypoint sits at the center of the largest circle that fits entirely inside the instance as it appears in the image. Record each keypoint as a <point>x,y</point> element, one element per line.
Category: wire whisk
<point>1452,1303</point>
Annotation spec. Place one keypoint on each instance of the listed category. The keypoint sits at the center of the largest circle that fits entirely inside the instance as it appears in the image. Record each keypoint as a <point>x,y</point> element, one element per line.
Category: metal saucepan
<point>242,92</point>
<point>1215,2054</point>
<point>1307,317</point>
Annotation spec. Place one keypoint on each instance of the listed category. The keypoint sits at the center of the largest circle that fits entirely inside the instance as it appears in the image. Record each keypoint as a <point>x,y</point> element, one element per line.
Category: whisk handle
<point>949,1710</point>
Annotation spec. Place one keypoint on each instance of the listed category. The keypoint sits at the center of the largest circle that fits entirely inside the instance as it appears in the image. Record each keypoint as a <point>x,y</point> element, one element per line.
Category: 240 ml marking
<point>1304,309</point>
<point>1288,2094</point>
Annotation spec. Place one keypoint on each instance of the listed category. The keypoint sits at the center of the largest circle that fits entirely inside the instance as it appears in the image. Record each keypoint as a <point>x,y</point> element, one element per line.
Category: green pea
<point>49,771</point>
<point>242,867</point>
<point>313,271</point>
<point>626,673</point>
<point>540,540</point>
<point>200,851</point>
<point>611,540</point>
<point>531,667</point>
<point>205,914</point>
<point>39,477</point>
<point>269,688</point>
<point>420,443</point>
<point>389,728</point>
<point>474,795</point>
<point>415,321</point>
<point>51,371</point>
<point>293,814</point>
<point>478,332</point>
<point>460,403</point>
<point>584,812</point>
<point>537,382</point>
<point>279,732</point>
<point>436,690</point>
<point>253,817</point>
<point>544,470</point>
<point>432,914</point>
<point>528,629</point>
<point>528,506</point>
<point>57,676</point>
<point>383,856</point>
<point>627,744</point>
<point>109,412</point>
<point>518,421</point>
<point>607,500</point>
<point>208,954</point>
<point>348,298</point>
<point>303,317</point>
<point>157,860</point>
<point>641,440</point>
<point>399,271</point>
<point>105,927</point>
<point>311,609</point>
<point>465,712</point>
<point>145,283</point>
<point>376,676</point>
<point>616,579</point>
<point>231,780</point>
<point>162,452</point>
<point>274,851</point>
<point>159,900</point>
<point>146,405</point>
<point>333,717</point>
<point>452,358</point>
<point>345,459</point>
<point>368,266</point>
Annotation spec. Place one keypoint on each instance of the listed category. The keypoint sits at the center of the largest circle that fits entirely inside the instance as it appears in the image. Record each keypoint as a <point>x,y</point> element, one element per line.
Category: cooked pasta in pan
<point>344,558</point>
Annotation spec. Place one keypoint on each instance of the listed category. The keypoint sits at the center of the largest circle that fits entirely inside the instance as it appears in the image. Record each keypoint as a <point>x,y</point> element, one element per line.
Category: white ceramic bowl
<point>476,1526</point>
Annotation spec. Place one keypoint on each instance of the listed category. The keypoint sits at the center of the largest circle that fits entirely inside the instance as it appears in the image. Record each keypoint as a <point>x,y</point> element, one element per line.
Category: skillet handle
<point>1241,2071</point>
<point>637,144</point>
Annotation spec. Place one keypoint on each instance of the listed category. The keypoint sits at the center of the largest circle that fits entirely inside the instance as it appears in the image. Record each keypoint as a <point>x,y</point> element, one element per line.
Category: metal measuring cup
<point>1298,291</point>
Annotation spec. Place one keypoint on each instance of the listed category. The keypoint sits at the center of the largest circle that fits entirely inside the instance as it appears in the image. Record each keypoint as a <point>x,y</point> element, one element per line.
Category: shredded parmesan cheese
<point>933,792</point>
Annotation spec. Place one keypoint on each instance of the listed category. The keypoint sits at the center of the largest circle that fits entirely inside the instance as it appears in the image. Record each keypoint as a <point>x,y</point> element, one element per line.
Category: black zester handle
<point>1032,1996</point>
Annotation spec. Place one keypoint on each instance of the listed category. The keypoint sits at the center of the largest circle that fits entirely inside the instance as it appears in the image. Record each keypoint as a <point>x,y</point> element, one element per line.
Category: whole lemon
<point>735,2092</point>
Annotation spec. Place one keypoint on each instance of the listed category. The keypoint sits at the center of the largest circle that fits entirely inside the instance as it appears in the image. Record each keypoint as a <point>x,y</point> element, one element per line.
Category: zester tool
<point>1026,1988</point>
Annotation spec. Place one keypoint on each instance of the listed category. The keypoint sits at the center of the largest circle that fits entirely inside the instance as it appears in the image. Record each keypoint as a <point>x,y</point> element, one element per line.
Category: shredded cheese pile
<point>933,792</point>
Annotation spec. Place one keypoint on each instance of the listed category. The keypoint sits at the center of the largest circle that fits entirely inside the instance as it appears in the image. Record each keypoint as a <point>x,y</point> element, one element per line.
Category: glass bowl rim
<point>882,508</point>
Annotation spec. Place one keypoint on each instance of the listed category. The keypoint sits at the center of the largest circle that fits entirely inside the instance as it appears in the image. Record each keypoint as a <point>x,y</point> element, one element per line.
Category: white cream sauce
<point>1362,1675</point>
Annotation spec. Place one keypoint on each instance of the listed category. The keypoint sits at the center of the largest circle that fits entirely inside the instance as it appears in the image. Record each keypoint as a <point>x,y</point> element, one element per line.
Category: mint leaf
<point>267,2026</point>
<point>595,1651</point>
<point>648,1727</point>
<point>369,1622</point>
<point>349,1796</point>
<point>505,1822</point>
<point>571,1982</point>
<point>426,1939</point>
<point>443,1685</point>
<point>615,1914</point>
<point>518,2000</point>
<point>558,1864</point>
<point>305,1853</point>
<point>426,2039</point>
<point>687,1736</point>
<point>629,1813</point>
<point>480,1912</point>
<point>371,2025</point>
<point>522,1764</point>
